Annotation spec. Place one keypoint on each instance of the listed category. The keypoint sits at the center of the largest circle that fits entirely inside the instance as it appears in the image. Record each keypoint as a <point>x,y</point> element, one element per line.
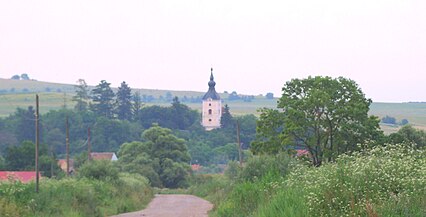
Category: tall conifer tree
<point>124,102</point>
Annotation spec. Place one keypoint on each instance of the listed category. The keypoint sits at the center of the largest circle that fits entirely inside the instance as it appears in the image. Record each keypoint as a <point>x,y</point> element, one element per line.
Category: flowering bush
<point>385,179</point>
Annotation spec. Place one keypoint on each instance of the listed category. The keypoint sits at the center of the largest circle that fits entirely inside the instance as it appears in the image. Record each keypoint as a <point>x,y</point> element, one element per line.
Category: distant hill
<point>32,86</point>
<point>20,93</point>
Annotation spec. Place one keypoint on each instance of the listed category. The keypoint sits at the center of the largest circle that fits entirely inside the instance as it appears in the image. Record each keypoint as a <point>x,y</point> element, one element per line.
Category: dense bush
<point>99,169</point>
<point>259,166</point>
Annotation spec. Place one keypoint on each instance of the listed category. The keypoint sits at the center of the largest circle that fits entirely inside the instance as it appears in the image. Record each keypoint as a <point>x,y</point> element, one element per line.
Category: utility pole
<point>37,143</point>
<point>89,147</point>
<point>67,142</point>
<point>52,160</point>
<point>239,144</point>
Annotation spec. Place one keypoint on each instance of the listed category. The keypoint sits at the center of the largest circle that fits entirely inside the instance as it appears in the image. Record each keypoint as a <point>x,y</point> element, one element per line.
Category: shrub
<point>259,166</point>
<point>98,169</point>
<point>232,170</point>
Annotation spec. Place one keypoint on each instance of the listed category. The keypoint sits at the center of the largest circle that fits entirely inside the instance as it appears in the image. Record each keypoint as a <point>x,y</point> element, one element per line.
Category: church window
<point>210,120</point>
<point>210,111</point>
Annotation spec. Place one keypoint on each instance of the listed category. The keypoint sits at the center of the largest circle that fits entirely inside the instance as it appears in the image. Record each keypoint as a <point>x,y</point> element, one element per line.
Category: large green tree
<point>103,99</point>
<point>323,115</point>
<point>124,102</point>
<point>81,95</point>
<point>163,158</point>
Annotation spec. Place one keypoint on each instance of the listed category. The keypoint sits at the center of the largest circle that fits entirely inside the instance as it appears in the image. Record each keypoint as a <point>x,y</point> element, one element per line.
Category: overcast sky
<point>254,47</point>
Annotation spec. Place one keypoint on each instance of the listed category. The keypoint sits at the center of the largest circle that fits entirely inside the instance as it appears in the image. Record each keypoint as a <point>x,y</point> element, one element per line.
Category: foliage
<point>23,124</point>
<point>2,163</point>
<point>323,115</point>
<point>260,166</point>
<point>233,169</point>
<point>409,135</point>
<point>103,96</point>
<point>388,120</point>
<point>81,95</point>
<point>404,122</point>
<point>137,105</point>
<point>212,187</point>
<point>227,121</point>
<point>247,129</point>
<point>163,158</point>
<point>98,169</point>
<point>366,183</point>
<point>22,157</point>
<point>16,77</point>
<point>75,197</point>
<point>182,116</point>
<point>269,95</point>
<point>178,116</point>
<point>380,181</point>
<point>223,154</point>
<point>109,134</point>
<point>124,102</point>
<point>25,76</point>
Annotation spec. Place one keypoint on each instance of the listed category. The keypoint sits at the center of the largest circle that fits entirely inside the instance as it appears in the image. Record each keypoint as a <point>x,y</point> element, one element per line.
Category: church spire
<point>211,93</point>
<point>212,83</point>
<point>211,75</point>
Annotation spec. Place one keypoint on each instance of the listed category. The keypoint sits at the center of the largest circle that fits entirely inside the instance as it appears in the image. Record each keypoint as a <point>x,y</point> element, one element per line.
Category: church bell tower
<point>212,107</point>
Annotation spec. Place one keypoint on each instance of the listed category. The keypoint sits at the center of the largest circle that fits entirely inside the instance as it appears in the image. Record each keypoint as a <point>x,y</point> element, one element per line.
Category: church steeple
<point>212,106</point>
<point>212,83</point>
<point>211,93</point>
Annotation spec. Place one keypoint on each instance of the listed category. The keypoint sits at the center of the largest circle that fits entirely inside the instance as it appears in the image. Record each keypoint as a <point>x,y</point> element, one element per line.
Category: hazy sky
<point>253,46</point>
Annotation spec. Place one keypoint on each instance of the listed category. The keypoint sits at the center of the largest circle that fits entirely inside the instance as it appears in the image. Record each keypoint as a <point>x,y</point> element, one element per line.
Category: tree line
<point>116,118</point>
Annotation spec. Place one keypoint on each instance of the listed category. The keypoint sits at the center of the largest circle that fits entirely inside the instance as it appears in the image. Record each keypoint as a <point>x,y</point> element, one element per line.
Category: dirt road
<point>173,205</point>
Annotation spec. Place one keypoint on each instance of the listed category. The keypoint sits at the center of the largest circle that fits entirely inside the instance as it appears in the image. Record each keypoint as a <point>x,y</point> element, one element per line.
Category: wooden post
<point>239,144</point>
<point>37,138</point>
<point>89,148</point>
<point>67,140</point>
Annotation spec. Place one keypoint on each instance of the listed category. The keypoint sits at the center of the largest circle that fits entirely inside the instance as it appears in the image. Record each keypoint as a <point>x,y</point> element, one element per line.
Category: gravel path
<point>173,205</point>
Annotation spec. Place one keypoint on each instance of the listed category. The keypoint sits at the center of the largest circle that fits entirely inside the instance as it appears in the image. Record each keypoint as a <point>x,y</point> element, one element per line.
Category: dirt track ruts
<point>173,205</point>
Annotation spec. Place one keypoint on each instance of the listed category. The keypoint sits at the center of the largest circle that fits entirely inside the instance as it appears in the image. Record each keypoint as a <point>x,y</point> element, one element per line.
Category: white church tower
<point>212,107</point>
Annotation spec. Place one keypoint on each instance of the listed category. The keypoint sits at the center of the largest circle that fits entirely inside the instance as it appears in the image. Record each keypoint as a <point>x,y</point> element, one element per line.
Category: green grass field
<point>15,94</point>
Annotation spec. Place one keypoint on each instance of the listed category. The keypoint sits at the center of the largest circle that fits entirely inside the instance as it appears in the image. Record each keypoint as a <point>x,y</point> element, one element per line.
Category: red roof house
<point>22,176</point>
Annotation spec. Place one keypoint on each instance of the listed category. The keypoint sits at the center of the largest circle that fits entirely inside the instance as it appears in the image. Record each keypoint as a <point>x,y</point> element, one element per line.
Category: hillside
<point>20,93</point>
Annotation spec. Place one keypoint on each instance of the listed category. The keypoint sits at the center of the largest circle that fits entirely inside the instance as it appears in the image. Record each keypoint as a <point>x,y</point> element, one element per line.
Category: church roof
<point>211,93</point>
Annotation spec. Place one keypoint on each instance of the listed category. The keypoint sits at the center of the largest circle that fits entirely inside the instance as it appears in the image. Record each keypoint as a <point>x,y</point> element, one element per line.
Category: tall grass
<point>381,181</point>
<point>75,197</point>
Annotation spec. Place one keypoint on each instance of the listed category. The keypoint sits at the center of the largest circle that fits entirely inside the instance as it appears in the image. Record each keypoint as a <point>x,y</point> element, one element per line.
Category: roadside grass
<point>75,197</point>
